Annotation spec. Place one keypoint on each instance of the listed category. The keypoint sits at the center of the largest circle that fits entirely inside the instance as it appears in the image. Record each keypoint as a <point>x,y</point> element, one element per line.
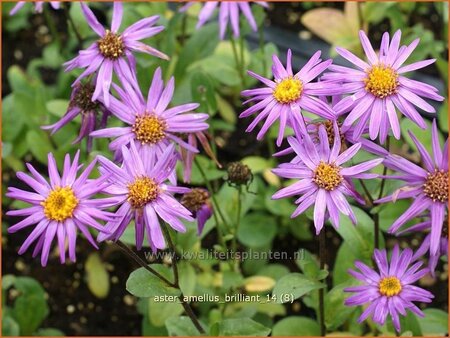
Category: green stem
<point>213,197</point>
<point>377,215</point>
<point>176,284</point>
<point>238,64</point>
<point>322,259</point>
<point>242,64</point>
<point>130,253</point>
<point>261,49</point>
<point>51,26</point>
<point>238,222</point>
<point>72,25</point>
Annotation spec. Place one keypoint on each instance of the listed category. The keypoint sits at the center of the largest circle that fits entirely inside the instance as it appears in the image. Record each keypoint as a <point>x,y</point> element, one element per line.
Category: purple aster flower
<point>378,87</point>
<point>425,246</point>
<point>151,126</point>
<point>38,6</point>
<point>138,188</point>
<point>347,137</point>
<point>81,103</point>
<point>228,12</point>
<point>112,53</point>
<point>198,203</point>
<point>428,186</point>
<point>59,207</point>
<point>323,182</point>
<point>389,292</point>
<point>288,94</point>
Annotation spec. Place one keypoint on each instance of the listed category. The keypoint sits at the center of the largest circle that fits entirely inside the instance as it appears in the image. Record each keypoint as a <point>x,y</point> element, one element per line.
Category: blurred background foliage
<point>80,298</point>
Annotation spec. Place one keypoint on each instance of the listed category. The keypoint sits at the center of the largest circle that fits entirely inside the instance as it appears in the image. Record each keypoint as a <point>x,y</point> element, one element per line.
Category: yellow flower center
<point>436,186</point>
<point>390,286</point>
<point>60,204</point>
<point>288,90</point>
<point>381,81</point>
<point>149,129</point>
<point>142,191</point>
<point>111,45</point>
<point>327,176</point>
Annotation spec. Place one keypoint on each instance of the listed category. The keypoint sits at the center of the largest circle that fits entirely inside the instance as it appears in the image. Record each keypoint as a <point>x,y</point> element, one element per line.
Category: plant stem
<point>213,197</point>
<point>238,222</point>
<point>72,24</point>
<point>186,306</point>
<point>261,49</point>
<point>366,191</point>
<point>130,253</point>
<point>52,27</point>
<point>377,215</point>
<point>173,253</point>
<point>322,259</point>
<point>238,63</point>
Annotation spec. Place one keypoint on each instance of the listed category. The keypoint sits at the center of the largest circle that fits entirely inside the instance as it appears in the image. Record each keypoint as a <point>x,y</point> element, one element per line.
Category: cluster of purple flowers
<point>146,150</point>
<point>353,107</point>
<point>362,101</point>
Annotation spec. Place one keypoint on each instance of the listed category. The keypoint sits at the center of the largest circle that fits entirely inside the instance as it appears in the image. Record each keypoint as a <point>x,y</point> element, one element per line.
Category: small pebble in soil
<point>83,320</point>
<point>70,309</point>
<point>129,300</point>
<point>114,279</point>
<point>20,265</point>
<point>90,306</point>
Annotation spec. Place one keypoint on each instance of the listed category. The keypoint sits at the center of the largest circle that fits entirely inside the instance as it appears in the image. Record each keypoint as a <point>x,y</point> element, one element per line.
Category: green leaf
<point>39,145</point>
<point>201,44</point>
<point>142,283</point>
<point>159,312</point>
<point>296,326</point>
<point>283,207</point>
<point>10,327</point>
<point>57,107</point>
<point>308,264</point>
<point>294,285</point>
<point>229,195</point>
<point>390,212</point>
<point>344,261</point>
<point>276,271</point>
<point>226,110</point>
<point>336,312</point>
<point>443,116</point>
<point>97,277</point>
<point>256,230</point>
<point>424,136</point>
<point>49,332</point>
<point>435,322</point>
<point>203,93</point>
<point>242,327</point>
<point>30,308</point>
<point>181,326</point>
<point>360,237</point>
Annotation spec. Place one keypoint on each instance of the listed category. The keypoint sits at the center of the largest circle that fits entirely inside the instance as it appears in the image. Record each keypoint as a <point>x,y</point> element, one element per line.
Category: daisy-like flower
<point>38,6</point>
<point>427,186</point>
<point>425,246</point>
<point>198,203</point>
<point>289,93</point>
<point>112,53</point>
<point>151,126</point>
<point>390,291</point>
<point>81,104</point>
<point>323,182</point>
<point>229,11</point>
<point>59,207</point>
<point>138,188</point>
<point>379,88</point>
